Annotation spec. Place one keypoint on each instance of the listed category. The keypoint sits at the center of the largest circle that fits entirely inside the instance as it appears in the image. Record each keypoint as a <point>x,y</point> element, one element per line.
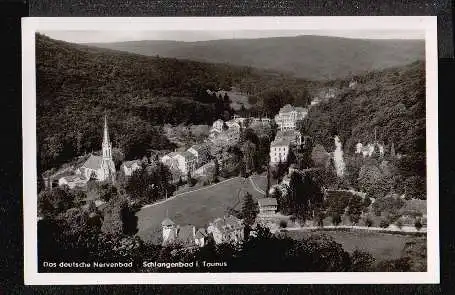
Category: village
<point>205,160</point>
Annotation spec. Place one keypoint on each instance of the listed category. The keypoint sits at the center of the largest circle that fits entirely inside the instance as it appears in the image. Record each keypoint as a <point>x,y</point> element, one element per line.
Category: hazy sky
<point>190,36</point>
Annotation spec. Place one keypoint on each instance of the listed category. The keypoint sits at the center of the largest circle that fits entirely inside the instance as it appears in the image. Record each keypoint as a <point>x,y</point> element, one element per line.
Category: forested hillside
<point>309,57</point>
<point>392,102</point>
<point>77,84</point>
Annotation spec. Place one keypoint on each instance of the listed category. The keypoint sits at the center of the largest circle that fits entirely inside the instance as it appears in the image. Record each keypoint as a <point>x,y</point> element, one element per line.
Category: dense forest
<point>389,105</point>
<point>77,84</point>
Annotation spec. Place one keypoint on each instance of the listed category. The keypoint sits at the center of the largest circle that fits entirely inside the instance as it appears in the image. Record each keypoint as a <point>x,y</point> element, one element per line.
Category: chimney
<point>194,231</point>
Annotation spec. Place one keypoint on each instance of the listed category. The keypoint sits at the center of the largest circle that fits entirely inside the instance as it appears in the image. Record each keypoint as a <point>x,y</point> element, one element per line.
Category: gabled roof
<point>93,162</point>
<point>185,234</point>
<point>287,108</point>
<point>280,142</point>
<point>201,233</point>
<point>167,222</point>
<point>267,202</point>
<point>227,223</point>
<point>71,178</point>
<point>188,156</point>
<point>200,148</point>
<point>129,164</point>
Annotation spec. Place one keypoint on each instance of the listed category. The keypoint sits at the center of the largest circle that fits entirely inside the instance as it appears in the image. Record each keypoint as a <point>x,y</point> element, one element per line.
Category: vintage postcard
<point>240,150</point>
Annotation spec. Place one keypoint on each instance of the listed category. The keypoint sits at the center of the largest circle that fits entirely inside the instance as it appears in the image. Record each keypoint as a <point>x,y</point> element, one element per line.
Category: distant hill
<point>310,57</point>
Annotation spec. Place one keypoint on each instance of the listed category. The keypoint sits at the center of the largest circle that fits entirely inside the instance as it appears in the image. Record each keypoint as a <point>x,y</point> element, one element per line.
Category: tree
<point>249,152</point>
<point>52,203</point>
<point>361,261</point>
<point>216,171</point>
<point>355,208</point>
<point>418,224</point>
<point>336,219</point>
<point>107,191</point>
<point>249,209</point>
<point>268,182</point>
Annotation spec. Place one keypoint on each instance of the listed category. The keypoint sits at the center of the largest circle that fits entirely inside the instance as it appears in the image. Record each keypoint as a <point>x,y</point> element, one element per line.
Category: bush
<point>399,223</point>
<point>384,223</point>
<point>418,224</point>
<point>368,222</point>
<point>283,224</point>
<point>336,219</point>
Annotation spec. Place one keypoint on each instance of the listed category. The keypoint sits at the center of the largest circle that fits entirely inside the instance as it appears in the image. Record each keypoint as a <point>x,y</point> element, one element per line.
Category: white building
<point>279,151</point>
<point>129,167</point>
<point>218,125</point>
<point>368,149</point>
<point>100,168</point>
<point>201,152</point>
<point>73,181</point>
<point>267,206</point>
<point>228,229</point>
<point>183,161</point>
<point>288,117</point>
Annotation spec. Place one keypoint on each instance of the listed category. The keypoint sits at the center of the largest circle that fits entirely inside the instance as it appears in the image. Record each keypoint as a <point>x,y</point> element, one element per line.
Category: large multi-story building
<point>279,151</point>
<point>288,117</point>
<point>184,162</point>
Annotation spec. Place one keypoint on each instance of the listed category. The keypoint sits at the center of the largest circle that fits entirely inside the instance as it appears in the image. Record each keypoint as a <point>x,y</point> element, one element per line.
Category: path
<point>188,192</point>
<point>404,229</point>
<point>255,187</point>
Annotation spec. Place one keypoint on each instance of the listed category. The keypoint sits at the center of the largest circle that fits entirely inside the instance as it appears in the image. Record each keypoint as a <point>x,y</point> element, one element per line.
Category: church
<point>100,168</point>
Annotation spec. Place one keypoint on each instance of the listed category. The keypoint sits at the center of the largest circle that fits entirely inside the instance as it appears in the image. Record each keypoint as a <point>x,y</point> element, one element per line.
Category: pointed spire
<point>106,132</point>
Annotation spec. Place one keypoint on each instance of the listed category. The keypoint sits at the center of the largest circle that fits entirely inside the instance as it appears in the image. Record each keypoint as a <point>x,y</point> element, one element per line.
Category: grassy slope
<point>312,57</point>
<point>197,208</point>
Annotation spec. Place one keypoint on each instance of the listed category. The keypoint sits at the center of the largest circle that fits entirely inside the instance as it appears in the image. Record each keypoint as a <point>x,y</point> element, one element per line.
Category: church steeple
<point>107,147</point>
<point>106,131</point>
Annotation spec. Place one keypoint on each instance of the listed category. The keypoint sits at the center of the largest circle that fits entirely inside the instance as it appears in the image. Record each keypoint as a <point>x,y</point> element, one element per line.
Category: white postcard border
<point>360,23</point>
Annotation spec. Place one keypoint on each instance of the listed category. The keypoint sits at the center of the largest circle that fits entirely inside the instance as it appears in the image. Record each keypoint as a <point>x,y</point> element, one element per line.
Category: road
<point>404,229</point>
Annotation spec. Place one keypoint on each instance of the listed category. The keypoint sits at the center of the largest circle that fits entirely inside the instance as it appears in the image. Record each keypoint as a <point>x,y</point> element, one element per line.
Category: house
<point>368,149</point>
<point>73,181</point>
<point>201,152</point>
<point>185,235</point>
<point>217,125</point>
<point>288,116</point>
<point>267,206</point>
<point>129,167</point>
<point>183,161</point>
<point>100,168</point>
<point>228,229</point>
<point>279,150</point>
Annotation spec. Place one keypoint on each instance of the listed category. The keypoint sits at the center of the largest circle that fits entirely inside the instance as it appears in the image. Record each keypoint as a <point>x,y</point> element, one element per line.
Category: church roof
<point>286,109</point>
<point>201,233</point>
<point>93,162</point>
<point>167,222</point>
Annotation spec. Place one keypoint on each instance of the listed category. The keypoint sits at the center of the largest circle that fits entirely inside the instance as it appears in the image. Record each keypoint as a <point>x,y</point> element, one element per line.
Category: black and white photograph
<point>232,149</point>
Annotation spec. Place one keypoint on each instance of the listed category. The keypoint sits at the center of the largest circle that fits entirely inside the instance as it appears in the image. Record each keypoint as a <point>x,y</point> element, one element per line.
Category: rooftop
<point>227,222</point>
<point>129,164</point>
<point>267,202</point>
<point>167,222</point>
<point>280,142</point>
<point>93,162</point>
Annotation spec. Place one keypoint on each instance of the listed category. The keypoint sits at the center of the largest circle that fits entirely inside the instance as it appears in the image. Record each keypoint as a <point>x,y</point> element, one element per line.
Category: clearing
<point>197,208</point>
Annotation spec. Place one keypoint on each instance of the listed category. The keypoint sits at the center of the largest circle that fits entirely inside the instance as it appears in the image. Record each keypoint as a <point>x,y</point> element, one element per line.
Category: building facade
<point>267,206</point>
<point>129,167</point>
<point>288,117</point>
<point>279,151</point>
<point>228,229</point>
